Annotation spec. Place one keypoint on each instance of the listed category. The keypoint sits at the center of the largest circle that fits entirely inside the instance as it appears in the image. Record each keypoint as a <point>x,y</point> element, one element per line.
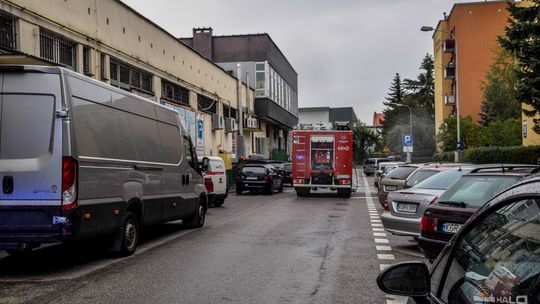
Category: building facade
<point>462,58</point>
<point>109,41</point>
<point>267,71</point>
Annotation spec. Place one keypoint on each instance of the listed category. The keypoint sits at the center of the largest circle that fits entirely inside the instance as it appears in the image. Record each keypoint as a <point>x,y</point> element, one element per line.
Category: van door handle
<point>148,168</point>
<point>7,184</point>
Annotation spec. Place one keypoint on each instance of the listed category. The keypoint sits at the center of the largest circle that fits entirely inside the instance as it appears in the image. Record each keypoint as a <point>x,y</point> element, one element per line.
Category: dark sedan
<point>255,177</point>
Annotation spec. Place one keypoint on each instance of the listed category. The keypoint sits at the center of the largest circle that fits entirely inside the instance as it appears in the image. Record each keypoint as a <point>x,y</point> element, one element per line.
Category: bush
<point>495,155</point>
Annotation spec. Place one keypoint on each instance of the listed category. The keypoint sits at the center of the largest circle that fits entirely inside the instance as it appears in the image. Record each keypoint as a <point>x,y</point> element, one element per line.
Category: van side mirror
<point>409,279</point>
<point>205,164</point>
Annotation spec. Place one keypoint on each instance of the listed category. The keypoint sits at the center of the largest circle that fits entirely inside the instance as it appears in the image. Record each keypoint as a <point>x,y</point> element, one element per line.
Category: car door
<point>496,260</point>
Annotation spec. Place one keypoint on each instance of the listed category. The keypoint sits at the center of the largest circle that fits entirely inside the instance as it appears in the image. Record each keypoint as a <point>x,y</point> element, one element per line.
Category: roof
<point>313,109</point>
<point>378,119</point>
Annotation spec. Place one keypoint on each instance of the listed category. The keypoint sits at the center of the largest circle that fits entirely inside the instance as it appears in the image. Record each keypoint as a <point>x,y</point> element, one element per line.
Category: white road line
<point>381,241</point>
<point>376,225</point>
<point>379,234</point>
<point>374,217</point>
<point>383,266</point>
<point>391,299</point>
<point>383,256</point>
<point>375,221</point>
<point>377,229</point>
<point>383,248</point>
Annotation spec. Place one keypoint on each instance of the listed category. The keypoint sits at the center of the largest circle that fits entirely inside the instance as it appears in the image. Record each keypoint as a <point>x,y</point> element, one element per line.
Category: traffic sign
<point>407,141</point>
<point>459,146</point>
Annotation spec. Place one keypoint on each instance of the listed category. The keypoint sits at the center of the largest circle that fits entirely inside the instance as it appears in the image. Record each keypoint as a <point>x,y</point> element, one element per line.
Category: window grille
<point>57,49</point>
<point>7,32</point>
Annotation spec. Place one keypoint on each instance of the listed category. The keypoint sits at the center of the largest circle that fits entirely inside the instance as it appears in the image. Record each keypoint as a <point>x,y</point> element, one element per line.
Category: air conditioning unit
<point>280,133</point>
<point>218,122</point>
<point>254,123</point>
<point>450,99</point>
<point>230,125</point>
<point>449,45</point>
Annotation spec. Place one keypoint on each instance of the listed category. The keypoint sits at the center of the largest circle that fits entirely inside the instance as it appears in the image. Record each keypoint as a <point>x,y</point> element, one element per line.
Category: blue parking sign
<point>407,141</point>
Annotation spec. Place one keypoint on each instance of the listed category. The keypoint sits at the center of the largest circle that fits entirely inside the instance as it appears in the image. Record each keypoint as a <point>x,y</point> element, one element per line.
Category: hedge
<point>495,155</point>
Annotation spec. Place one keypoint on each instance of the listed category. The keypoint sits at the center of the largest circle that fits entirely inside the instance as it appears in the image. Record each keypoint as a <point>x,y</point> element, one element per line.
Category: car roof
<point>528,185</point>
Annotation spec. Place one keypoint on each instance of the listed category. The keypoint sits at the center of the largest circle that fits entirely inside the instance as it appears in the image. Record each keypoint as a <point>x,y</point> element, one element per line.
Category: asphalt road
<point>254,249</point>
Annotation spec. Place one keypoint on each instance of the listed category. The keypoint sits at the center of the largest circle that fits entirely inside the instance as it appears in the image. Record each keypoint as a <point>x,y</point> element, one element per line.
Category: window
<point>190,153</point>
<point>227,113</point>
<point>206,104</point>
<point>127,77</point>
<point>86,60</point>
<point>499,258</point>
<point>102,66</point>
<point>57,49</point>
<point>7,31</point>
<point>174,92</point>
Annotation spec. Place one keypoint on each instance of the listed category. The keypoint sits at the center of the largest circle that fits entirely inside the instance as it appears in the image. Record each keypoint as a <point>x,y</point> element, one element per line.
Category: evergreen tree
<point>392,113</point>
<point>423,87</point>
<point>523,41</point>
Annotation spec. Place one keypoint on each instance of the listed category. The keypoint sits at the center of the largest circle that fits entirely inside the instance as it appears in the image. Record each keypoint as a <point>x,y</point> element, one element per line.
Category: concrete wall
<point>314,116</point>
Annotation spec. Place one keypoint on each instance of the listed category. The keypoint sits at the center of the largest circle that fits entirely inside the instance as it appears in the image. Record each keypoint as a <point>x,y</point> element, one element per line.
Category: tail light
<point>209,184</point>
<point>69,183</point>
<point>385,206</point>
<point>428,224</point>
<point>344,182</point>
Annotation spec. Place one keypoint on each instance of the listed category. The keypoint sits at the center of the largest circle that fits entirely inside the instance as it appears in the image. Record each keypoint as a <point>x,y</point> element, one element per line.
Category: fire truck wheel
<point>345,193</point>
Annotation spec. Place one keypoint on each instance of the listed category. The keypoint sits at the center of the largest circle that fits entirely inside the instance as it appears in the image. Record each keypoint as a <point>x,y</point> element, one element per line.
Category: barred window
<point>127,77</point>
<point>226,112</point>
<point>7,31</point>
<point>57,49</point>
<point>206,104</point>
<point>86,61</point>
<point>174,92</point>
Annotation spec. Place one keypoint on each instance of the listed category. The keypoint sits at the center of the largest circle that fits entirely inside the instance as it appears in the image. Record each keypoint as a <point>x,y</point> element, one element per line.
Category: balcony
<point>449,45</point>
<point>450,100</point>
<point>450,71</point>
<point>270,111</point>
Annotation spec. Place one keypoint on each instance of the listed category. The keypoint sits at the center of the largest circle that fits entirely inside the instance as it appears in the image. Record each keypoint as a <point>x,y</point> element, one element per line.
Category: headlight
<point>390,188</point>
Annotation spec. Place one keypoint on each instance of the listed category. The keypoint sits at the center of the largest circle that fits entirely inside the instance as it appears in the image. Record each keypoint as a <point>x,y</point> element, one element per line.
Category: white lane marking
<point>383,256</point>
<point>379,234</point>
<point>376,225</point>
<point>383,266</point>
<point>375,217</point>
<point>391,299</point>
<point>381,241</point>
<point>375,221</point>
<point>383,248</point>
<point>377,229</point>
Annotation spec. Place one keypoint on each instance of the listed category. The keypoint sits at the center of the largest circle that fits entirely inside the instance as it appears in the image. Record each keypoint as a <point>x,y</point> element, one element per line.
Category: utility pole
<point>240,138</point>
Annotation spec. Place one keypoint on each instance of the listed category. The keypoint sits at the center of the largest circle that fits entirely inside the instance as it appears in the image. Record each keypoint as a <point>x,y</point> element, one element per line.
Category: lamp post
<point>457,153</point>
<point>409,155</point>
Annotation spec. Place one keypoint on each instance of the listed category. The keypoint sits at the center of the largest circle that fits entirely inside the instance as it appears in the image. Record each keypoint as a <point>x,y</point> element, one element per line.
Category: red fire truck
<point>323,159</point>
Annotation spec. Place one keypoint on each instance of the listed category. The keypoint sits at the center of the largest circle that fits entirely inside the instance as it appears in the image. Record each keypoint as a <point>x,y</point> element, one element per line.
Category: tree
<point>500,102</point>
<point>447,135</point>
<point>364,139</point>
<point>523,41</point>
<point>392,112</point>
<point>423,87</point>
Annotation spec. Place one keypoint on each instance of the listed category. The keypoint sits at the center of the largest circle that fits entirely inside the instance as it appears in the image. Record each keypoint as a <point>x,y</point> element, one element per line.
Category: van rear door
<point>30,150</point>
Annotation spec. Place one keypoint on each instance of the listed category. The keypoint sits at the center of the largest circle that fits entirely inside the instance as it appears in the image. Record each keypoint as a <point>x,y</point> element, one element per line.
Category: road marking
<point>376,225</point>
<point>383,256</point>
<point>375,217</point>
<point>377,229</point>
<point>391,299</point>
<point>381,241</point>
<point>383,266</point>
<point>380,234</point>
<point>375,221</point>
<point>383,248</point>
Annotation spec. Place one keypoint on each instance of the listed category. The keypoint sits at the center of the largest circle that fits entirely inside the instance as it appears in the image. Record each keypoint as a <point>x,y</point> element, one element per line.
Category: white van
<point>80,158</point>
<point>216,175</point>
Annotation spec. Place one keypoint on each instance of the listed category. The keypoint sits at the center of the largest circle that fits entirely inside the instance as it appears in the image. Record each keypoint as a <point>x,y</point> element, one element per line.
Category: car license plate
<point>406,207</point>
<point>451,228</point>
<point>251,178</point>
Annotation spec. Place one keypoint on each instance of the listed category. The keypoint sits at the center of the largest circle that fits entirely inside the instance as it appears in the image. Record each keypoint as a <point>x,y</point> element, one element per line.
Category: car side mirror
<point>205,164</point>
<point>409,279</point>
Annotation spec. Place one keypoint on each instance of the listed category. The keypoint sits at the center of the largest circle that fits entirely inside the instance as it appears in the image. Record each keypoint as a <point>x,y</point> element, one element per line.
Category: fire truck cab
<point>323,159</point>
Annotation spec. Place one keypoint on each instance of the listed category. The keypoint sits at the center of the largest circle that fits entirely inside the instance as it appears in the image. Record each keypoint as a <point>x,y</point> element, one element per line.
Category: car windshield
<point>419,176</point>
<point>442,180</point>
<point>474,191</point>
<point>401,172</point>
<point>254,170</point>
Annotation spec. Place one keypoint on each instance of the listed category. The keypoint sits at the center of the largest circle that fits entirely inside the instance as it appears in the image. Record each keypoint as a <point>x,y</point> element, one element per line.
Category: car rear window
<point>442,180</point>
<point>401,172</point>
<point>216,166</point>
<point>251,169</point>
<point>475,191</point>
<point>369,161</point>
<point>419,176</point>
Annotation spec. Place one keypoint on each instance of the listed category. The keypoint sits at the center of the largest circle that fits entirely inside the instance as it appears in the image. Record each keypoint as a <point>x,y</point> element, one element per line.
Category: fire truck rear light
<point>344,182</point>
<point>298,181</point>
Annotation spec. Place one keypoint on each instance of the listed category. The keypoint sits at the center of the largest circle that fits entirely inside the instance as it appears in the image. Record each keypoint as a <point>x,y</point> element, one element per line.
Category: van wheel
<point>130,234</point>
<point>198,220</point>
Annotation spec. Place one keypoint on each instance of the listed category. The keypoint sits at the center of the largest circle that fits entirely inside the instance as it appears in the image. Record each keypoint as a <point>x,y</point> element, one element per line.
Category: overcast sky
<point>346,52</point>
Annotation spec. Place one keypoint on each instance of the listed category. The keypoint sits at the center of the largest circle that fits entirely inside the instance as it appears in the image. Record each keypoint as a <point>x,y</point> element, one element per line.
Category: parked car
<point>287,175</point>
<point>494,257</point>
<point>81,159</point>
<point>370,165</point>
<point>427,171</point>
<point>395,180</point>
<point>215,180</point>
<point>442,219</point>
<point>382,169</point>
<point>403,212</point>
<point>254,177</point>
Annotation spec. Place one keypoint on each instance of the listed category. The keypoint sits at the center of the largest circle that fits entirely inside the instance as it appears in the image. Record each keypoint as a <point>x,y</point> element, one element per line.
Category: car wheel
<point>130,234</point>
<point>270,189</point>
<point>239,190</point>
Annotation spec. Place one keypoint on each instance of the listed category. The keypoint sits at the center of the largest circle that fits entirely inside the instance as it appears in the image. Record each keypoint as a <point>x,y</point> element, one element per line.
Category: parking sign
<point>407,141</point>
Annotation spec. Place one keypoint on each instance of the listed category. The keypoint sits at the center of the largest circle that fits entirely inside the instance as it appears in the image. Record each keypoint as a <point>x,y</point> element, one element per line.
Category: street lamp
<point>409,156</point>
<point>457,156</point>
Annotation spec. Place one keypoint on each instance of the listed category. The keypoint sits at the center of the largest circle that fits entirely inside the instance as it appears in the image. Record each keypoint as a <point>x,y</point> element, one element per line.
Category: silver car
<point>383,169</point>
<point>405,207</point>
